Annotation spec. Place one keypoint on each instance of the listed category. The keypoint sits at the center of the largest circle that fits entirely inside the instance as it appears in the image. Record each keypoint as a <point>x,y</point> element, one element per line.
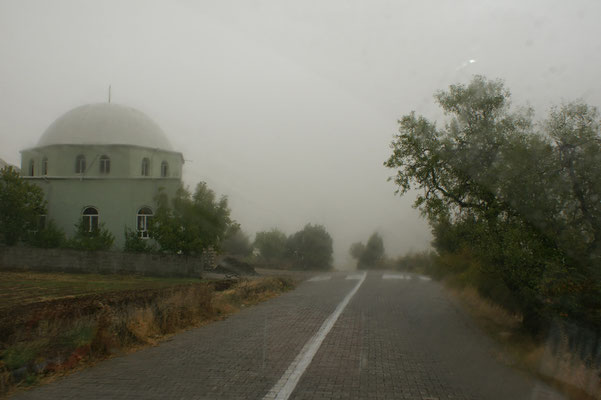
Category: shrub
<point>50,236</point>
<point>135,244</point>
<point>98,238</point>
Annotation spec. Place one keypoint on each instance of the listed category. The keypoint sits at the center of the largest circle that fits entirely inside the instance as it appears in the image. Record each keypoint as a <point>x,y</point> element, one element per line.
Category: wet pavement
<point>337,336</point>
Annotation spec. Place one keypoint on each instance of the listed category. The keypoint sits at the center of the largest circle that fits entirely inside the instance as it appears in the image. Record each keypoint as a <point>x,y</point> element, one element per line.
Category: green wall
<point>126,160</point>
<point>117,196</point>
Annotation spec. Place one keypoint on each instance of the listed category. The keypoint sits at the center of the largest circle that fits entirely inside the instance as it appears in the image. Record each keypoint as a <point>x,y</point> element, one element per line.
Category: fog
<point>288,107</point>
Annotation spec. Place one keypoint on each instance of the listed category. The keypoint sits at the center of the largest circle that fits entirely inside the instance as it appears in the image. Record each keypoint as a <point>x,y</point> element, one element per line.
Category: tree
<point>21,205</point>
<point>236,242</point>
<point>373,255</point>
<point>311,248</point>
<point>370,255</point>
<point>520,198</point>
<point>271,244</point>
<point>356,250</point>
<point>190,223</point>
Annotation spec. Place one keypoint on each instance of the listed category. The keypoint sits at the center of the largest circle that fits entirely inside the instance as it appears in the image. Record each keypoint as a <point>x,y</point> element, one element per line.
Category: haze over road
<point>361,336</point>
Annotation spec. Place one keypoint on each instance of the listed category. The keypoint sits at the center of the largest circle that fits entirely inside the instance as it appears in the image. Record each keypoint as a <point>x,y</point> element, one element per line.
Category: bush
<point>135,244</point>
<point>50,236</point>
<point>310,248</point>
<point>97,239</point>
<point>271,245</point>
<point>21,204</point>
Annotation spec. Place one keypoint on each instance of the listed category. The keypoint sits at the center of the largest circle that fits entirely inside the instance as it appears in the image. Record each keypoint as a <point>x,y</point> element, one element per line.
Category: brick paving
<point>397,339</point>
<point>404,339</point>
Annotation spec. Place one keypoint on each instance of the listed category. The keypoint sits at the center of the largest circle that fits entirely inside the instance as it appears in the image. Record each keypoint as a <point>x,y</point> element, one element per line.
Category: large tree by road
<point>520,198</point>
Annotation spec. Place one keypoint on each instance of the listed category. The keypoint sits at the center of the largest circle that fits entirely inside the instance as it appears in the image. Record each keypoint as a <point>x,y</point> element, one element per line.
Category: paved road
<point>337,336</point>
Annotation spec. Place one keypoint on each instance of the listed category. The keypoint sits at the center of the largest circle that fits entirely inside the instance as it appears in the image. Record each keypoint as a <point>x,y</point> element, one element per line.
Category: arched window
<point>31,168</point>
<point>80,164</point>
<point>44,166</point>
<point>164,169</point>
<point>144,217</point>
<point>105,164</point>
<point>145,167</point>
<point>90,219</point>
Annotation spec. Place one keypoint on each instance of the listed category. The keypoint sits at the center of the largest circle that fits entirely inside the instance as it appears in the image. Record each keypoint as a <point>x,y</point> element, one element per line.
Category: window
<point>145,167</point>
<point>90,219</point>
<point>144,218</point>
<point>105,164</point>
<point>31,168</point>
<point>80,164</point>
<point>164,169</point>
<point>44,166</point>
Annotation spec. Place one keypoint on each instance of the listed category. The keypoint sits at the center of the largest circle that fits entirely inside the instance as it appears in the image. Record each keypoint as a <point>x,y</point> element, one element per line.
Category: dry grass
<point>249,292</point>
<point>18,288</point>
<point>490,315</point>
<point>40,340</point>
<point>560,368</point>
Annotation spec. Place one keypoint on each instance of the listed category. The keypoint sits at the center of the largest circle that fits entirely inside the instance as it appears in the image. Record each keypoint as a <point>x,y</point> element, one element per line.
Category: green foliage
<point>97,239</point>
<point>21,203</point>
<point>369,256</point>
<point>423,262</point>
<point>135,244</point>
<point>48,236</point>
<point>373,256</point>
<point>356,250</point>
<point>310,248</point>
<point>190,223</point>
<point>21,354</point>
<point>522,200</point>
<point>271,244</point>
<point>236,242</point>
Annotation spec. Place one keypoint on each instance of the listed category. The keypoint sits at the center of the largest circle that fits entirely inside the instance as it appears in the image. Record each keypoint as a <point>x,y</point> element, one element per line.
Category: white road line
<point>285,386</point>
<point>425,278</point>
<point>396,276</point>
<point>319,278</point>
<point>354,277</point>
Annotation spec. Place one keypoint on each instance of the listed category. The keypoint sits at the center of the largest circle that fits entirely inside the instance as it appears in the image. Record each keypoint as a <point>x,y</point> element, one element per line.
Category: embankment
<point>41,340</point>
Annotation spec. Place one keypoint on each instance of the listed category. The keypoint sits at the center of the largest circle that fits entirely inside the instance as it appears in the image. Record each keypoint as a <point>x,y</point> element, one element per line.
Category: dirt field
<point>20,288</point>
<point>53,323</point>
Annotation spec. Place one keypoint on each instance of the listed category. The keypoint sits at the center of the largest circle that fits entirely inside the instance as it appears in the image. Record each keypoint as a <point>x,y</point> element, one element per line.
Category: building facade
<point>103,164</point>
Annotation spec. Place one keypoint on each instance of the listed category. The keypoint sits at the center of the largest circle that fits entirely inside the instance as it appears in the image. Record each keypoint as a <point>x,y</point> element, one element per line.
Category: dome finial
<point>109,94</point>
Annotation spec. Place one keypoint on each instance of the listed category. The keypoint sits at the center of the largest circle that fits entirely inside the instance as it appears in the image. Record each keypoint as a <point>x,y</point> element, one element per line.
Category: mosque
<point>103,164</point>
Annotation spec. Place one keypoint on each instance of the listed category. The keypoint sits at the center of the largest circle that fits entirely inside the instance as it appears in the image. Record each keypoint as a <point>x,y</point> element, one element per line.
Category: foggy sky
<point>288,107</point>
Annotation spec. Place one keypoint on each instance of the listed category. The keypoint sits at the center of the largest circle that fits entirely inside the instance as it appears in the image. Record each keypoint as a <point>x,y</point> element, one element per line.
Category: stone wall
<point>101,262</point>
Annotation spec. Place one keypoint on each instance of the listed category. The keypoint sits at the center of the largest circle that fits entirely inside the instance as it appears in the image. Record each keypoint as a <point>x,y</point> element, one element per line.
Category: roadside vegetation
<point>311,248</point>
<point>514,208</point>
<point>370,255</point>
<point>53,323</point>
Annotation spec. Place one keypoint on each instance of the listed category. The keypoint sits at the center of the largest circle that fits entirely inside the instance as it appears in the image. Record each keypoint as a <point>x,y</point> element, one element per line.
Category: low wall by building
<point>101,262</point>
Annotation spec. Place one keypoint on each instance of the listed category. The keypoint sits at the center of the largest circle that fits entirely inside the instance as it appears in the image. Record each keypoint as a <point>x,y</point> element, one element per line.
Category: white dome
<point>105,123</point>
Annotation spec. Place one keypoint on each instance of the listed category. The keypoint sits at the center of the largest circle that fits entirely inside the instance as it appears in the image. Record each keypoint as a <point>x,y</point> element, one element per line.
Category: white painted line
<point>354,277</point>
<point>285,386</point>
<point>320,278</point>
<point>396,276</point>
<point>425,278</point>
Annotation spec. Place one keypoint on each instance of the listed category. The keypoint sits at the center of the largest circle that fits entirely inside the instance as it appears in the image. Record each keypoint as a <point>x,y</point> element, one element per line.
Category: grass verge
<point>520,350</point>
